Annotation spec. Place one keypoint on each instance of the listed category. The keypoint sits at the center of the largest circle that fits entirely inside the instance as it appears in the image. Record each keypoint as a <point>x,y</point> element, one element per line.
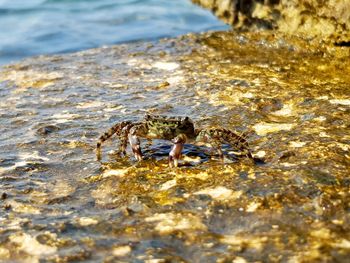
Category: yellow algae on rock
<point>220,193</point>
<point>166,65</point>
<point>343,243</point>
<point>343,146</point>
<point>115,172</point>
<point>228,97</point>
<point>323,233</point>
<point>190,174</point>
<point>24,208</point>
<point>323,134</point>
<point>168,184</point>
<point>87,221</point>
<point>239,260</point>
<point>253,206</point>
<point>320,119</point>
<point>345,102</point>
<point>240,241</point>
<point>195,160</point>
<point>162,198</point>
<point>31,78</point>
<point>176,79</point>
<point>287,110</point>
<point>4,253</point>
<point>31,246</point>
<point>297,144</point>
<point>170,222</point>
<point>76,144</point>
<point>264,128</point>
<point>121,251</point>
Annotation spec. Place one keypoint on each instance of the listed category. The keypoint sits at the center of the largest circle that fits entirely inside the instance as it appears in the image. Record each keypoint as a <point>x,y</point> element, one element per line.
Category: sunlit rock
<point>243,242</point>
<point>115,172</point>
<point>220,193</point>
<point>345,102</point>
<point>4,253</point>
<point>264,128</point>
<point>287,110</point>
<point>24,208</point>
<point>239,260</point>
<point>167,223</point>
<point>253,206</point>
<point>31,78</point>
<point>121,251</point>
<point>323,19</point>
<point>31,246</point>
<point>87,221</point>
<point>168,184</point>
<point>297,144</point>
<point>169,66</point>
<point>343,243</point>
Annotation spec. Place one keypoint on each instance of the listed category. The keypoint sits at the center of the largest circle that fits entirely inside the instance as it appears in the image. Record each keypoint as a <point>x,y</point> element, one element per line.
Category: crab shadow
<point>192,155</point>
<point>159,151</point>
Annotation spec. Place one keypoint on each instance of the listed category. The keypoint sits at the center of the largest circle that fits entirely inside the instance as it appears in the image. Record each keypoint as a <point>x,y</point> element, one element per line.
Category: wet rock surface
<point>58,204</point>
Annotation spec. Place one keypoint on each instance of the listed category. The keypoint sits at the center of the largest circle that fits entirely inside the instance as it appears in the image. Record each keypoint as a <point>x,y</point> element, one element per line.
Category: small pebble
<point>47,130</point>
<point>7,207</point>
<point>3,196</point>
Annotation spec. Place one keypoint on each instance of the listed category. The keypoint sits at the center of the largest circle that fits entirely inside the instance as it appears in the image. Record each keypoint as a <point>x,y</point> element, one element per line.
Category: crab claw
<point>98,152</point>
<point>135,146</point>
<point>175,153</point>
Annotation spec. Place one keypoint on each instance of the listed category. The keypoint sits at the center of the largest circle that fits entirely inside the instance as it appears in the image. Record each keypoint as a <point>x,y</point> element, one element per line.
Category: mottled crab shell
<point>169,127</point>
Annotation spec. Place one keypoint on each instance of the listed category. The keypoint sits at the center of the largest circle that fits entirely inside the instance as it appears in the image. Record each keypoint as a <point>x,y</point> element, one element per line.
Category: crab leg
<point>217,146</point>
<point>123,138</point>
<point>175,152</point>
<point>135,146</point>
<point>118,129</point>
<point>216,137</point>
<point>135,131</point>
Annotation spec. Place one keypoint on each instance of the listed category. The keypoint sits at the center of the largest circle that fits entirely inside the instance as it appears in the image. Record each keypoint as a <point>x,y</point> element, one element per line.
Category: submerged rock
<point>287,95</point>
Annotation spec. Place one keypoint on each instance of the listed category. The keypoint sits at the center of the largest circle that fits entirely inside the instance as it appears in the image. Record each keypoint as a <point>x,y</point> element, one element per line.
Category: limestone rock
<point>307,18</point>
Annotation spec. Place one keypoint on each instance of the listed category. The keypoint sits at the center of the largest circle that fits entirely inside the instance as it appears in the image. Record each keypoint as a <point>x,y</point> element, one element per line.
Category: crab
<point>179,130</point>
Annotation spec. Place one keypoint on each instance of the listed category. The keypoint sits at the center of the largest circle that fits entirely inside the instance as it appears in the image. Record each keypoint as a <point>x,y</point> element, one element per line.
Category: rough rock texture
<point>310,18</point>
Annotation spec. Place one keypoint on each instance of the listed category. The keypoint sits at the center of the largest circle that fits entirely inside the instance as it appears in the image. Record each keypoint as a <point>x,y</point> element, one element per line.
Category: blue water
<point>33,27</point>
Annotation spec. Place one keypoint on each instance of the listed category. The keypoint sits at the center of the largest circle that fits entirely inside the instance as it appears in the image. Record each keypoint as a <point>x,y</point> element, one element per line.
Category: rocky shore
<point>289,95</point>
<point>328,20</point>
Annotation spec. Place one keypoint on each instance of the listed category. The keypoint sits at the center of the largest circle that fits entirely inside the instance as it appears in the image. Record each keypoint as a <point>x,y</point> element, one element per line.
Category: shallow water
<point>292,97</point>
<point>34,27</point>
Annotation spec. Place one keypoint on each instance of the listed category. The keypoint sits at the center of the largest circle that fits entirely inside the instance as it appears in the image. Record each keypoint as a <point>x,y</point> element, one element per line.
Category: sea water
<point>34,27</point>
